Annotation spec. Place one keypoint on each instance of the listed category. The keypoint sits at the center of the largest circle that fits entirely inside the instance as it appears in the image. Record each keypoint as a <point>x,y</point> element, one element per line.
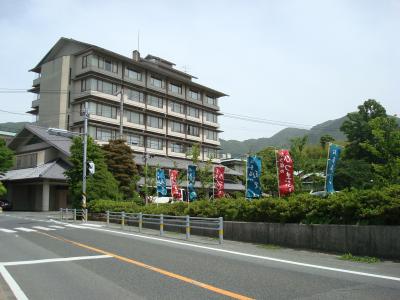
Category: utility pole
<point>85,128</point>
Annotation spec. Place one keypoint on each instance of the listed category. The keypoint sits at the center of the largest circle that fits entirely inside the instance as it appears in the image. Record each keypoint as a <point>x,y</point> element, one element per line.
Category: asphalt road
<point>41,259</point>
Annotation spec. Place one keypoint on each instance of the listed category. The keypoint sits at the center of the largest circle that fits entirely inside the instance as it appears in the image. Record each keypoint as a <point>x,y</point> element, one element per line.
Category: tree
<point>384,149</point>
<point>353,173</point>
<point>204,173</point>
<point>358,130</point>
<point>102,185</point>
<point>120,162</point>
<point>268,178</point>
<point>6,162</point>
<point>325,139</point>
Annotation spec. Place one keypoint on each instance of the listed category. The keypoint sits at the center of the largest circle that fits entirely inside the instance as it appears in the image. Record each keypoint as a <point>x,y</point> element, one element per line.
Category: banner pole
<point>277,172</point>
<point>213,189</point>
<point>187,184</point>
<point>245,191</point>
<point>326,169</point>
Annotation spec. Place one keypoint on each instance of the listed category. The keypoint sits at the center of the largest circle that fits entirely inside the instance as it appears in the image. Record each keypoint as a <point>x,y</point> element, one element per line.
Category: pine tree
<point>120,162</point>
<point>101,185</point>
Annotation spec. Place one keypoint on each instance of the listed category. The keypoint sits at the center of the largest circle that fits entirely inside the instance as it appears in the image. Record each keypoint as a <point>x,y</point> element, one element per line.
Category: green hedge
<point>372,207</point>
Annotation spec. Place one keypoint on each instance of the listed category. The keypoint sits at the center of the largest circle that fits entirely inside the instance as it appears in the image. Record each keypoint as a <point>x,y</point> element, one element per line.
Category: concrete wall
<point>381,241</point>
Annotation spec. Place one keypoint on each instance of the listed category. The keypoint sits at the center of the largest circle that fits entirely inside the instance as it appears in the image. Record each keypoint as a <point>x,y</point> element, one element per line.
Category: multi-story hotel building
<point>163,111</point>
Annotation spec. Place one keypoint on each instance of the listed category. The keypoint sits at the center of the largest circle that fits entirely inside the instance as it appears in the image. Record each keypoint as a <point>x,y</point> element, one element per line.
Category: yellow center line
<point>154,269</point>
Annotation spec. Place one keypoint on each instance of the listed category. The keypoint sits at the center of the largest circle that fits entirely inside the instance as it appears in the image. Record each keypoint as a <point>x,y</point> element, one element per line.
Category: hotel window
<point>103,110</point>
<point>135,95</point>
<point>193,112</point>
<point>154,143</point>
<point>155,122</point>
<point>135,139</point>
<point>175,88</point>
<point>177,107</point>
<point>194,95</point>
<point>85,83</point>
<point>210,153</point>
<point>155,101</point>
<point>84,61</point>
<point>211,135</point>
<point>134,117</point>
<point>26,160</point>
<point>133,74</point>
<point>177,148</point>
<point>159,83</point>
<point>193,130</point>
<point>211,100</point>
<point>177,127</point>
<point>105,64</point>
<point>105,87</point>
<point>210,117</point>
<point>102,134</point>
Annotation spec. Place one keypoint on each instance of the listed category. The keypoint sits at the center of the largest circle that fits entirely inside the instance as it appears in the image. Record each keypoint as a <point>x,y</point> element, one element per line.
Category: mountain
<point>282,138</point>
<point>12,126</point>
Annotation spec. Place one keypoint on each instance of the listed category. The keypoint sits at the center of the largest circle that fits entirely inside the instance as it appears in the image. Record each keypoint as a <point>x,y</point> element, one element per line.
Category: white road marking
<point>14,287</point>
<point>7,230</point>
<point>285,261</point>
<point>43,228</point>
<point>25,229</point>
<point>92,225</point>
<point>50,260</point>
<point>56,226</point>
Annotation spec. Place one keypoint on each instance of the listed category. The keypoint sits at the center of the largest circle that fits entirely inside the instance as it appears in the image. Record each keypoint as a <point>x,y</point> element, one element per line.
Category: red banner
<point>219,181</point>
<point>173,178</point>
<point>285,167</point>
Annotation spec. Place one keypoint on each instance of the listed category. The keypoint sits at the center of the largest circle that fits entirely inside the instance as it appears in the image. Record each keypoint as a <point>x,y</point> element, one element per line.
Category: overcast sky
<point>302,61</point>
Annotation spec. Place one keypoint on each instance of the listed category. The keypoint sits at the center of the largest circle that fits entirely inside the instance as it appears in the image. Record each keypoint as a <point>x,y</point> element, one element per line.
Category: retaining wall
<point>381,241</point>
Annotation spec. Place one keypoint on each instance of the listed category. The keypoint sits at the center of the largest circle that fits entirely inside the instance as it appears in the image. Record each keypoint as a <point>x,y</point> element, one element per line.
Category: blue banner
<point>191,176</point>
<point>253,186</point>
<point>161,183</point>
<point>333,157</point>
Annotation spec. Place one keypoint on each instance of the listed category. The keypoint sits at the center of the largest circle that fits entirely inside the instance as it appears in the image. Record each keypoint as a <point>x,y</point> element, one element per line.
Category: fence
<point>73,214</point>
<point>163,222</point>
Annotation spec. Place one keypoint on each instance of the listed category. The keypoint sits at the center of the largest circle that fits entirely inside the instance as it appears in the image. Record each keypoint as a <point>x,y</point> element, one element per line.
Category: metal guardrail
<point>68,214</point>
<point>187,222</point>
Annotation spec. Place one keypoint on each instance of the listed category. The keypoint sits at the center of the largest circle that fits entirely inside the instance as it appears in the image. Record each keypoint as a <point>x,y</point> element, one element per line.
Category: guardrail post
<point>108,217</point>
<point>74,215</point>
<point>161,224</point>
<point>122,220</point>
<point>187,227</point>
<point>221,229</point>
<point>140,221</point>
<point>61,214</point>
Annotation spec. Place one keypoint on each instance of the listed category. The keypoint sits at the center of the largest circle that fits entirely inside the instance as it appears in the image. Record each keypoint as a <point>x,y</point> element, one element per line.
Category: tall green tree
<point>102,185</point>
<point>325,139</point>
<point>384,149</point>
<point>120,162</point>
<point>268,178</point>
<point>6,162</point>
<point>204,171</point>
<point>358,129</point>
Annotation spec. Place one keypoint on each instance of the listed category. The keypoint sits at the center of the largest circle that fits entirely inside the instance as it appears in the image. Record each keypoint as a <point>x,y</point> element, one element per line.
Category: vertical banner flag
<point>285,170</point>
<point>253,186</point>
<point>191,177</point>
<point>219,181</point>
<point>161,183</point>
<point>173,177</point>
<point>333,157</point>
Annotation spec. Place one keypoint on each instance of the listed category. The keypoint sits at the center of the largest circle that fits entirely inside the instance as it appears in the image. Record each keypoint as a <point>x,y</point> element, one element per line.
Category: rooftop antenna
<point>138,41</point>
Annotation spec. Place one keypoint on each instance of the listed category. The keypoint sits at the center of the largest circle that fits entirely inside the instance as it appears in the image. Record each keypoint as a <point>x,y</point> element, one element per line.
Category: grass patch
<point>361,259</point>
<point>269,246</point>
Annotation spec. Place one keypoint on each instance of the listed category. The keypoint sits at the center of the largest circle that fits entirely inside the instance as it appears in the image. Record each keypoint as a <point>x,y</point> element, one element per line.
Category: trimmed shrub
<point>369,207</point>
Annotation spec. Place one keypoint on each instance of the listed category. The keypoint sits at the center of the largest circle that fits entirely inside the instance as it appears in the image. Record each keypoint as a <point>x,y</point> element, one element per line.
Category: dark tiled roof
<point>52,170</point>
